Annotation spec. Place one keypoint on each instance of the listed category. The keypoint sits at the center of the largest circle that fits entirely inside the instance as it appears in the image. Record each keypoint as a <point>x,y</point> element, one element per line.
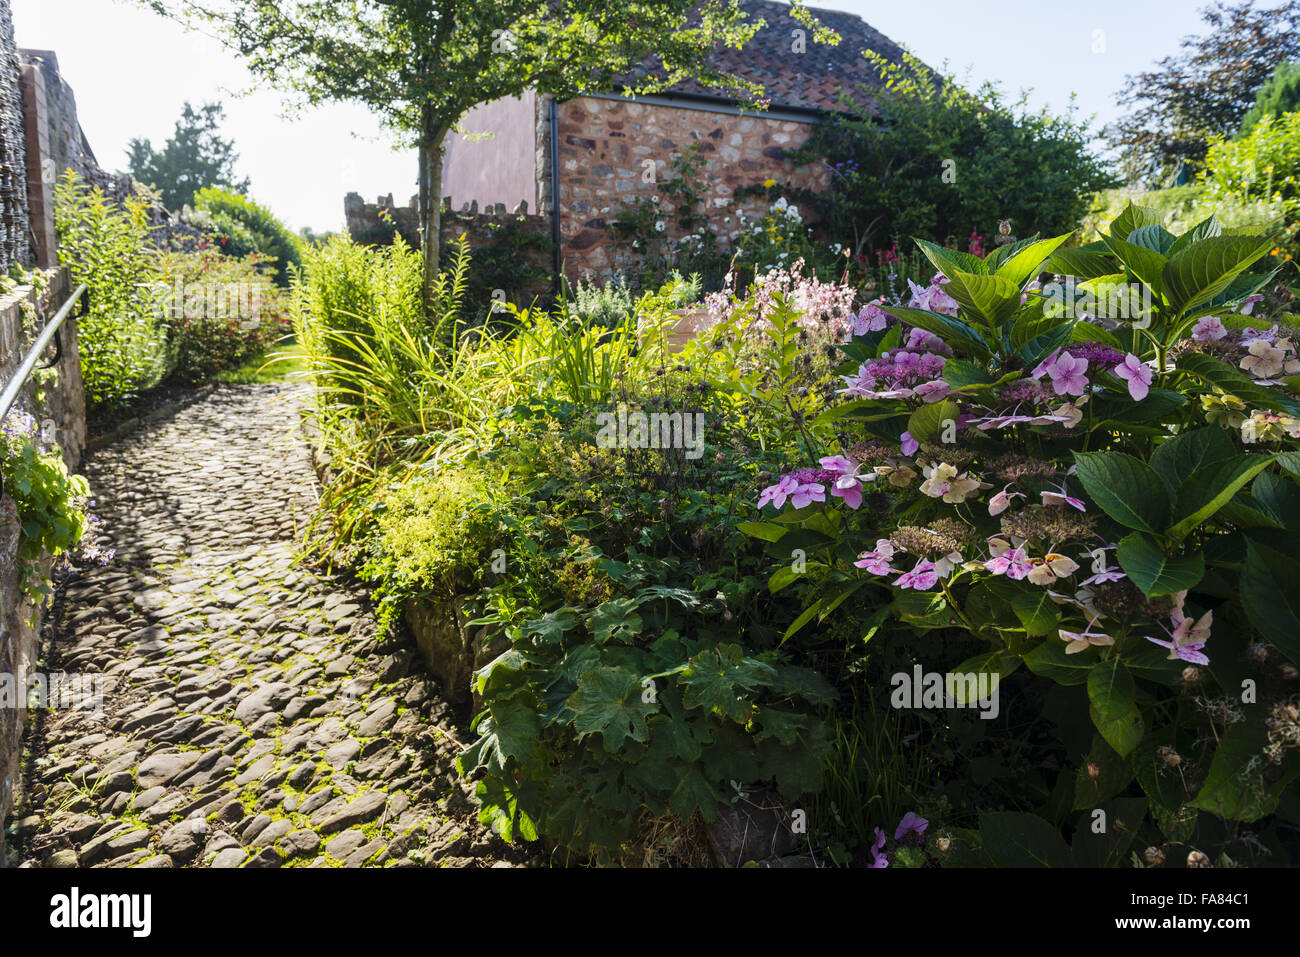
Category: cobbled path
<point>254,717</point>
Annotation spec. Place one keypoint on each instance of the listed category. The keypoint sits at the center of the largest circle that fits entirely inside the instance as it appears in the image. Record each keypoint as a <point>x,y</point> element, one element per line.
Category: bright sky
<point>132,71</point>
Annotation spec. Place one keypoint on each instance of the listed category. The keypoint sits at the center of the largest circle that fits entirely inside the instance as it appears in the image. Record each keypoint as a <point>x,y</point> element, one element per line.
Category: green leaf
<point>1232,790</point>
<point>1235,382</point>
<point>1279,499</point>
<point>1153,571</point>
<point>1174,460</point>
<point>1019,839</point>
<point>511,731</point>
<point>1114,709</point>
<point>996,664</point>
<point>1153,237</point>
<point>782,577</point>
<point>1205,229</point>
<point>609,702</point>
<point>993,298</point>
<point>1050,660</point>
<point>927,421</point>
<point>1080,263</point>
<point>950,330</point>
<point>693,793</point>
<point>1108,849</point>
<point>1134,217</point>
<point>1126,489</point>
<point>1209,488</point>
<point>617,618</point>
<point>1270,588</point>
<point>960,374</point>
<point>551,627</point>
<point>1037,612</point>
<point>948,261</point>
<point>1024,264</point>
<point>1144,263</point>
<point>767,531</point>
<point>807,615</point>
<point>1199,272</point>
<point>714,676</point>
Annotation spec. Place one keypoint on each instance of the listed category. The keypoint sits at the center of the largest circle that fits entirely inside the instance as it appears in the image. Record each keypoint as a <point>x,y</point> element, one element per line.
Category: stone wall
<point>605,144</point>
<point>604,147</point>
<point>528,235</point>
<point>13,150</point>
<point>62,414</point>
<point>55,143</point>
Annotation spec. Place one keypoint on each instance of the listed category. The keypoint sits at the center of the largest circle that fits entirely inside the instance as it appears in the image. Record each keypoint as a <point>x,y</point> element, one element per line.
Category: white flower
<point>659,226</point>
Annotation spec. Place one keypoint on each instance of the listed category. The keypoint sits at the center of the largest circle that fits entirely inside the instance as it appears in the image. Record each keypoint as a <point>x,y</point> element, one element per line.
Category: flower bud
<point>1197,859</point>
<point>1154,856</point>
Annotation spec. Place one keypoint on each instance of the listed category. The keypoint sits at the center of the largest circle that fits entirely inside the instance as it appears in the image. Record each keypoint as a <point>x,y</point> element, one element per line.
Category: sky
<point>132,71</point>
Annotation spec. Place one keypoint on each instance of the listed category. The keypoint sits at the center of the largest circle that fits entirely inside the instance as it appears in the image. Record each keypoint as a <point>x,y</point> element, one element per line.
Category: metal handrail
<point>51,331</point>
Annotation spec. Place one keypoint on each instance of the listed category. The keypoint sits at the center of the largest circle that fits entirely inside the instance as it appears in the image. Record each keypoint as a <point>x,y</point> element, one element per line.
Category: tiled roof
<point>813,79</point>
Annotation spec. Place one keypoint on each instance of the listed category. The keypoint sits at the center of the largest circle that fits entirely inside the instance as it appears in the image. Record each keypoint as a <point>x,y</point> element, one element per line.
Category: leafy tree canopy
<point>942,162</point>
<point>1205,90</point>
<point>1281,94</point>
<point>195,158</point>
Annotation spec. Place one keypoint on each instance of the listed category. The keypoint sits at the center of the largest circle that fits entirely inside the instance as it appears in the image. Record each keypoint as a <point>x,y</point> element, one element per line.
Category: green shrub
<point>221,312</point>
<point>48,501</point>
<point>1095,506</point>
<point>122,342</point>
<point>241,222</point>
<point>432,537</point>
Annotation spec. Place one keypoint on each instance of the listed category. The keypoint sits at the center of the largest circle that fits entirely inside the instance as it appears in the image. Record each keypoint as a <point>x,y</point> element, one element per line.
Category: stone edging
<point>97,442</point>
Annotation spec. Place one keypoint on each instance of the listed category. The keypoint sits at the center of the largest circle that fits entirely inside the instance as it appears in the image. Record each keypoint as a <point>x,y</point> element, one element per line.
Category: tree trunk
<point>431,153</point>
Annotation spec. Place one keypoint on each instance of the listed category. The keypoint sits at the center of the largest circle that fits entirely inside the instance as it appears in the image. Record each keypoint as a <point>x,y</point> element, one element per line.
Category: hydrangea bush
<point>1110,503</point>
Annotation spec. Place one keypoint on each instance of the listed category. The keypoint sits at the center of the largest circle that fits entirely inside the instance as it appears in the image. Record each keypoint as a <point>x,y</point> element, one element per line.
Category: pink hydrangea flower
<point>870,318</point>
<point>877,562</point>
<point>1209,329</point>
<point>1068,374</point>
<point>921,578</point>
<point>908,445</point>
<point>933,391</point>
<point>1137,374</point>
<point>1012,562</point>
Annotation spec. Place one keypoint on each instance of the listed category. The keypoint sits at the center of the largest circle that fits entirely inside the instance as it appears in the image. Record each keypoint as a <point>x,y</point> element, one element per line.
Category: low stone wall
<point>61,411</point>
<point>451,650</point>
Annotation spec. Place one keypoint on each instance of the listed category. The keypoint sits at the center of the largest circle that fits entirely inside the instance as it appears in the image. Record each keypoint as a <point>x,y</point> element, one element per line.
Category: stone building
<point>576,161</point>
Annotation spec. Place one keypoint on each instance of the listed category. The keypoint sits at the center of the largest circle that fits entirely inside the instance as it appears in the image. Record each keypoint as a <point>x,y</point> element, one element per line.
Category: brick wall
<point>604,144</point>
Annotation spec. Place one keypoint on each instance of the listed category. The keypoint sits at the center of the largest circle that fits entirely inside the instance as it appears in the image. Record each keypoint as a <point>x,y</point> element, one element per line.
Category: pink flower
<point>877,562</point>
<point>806,493</point>
<point>1208,329</point>
<point>778,493</point>
<point>1137,374</point>
<point>1189,652</point>
<point>911,823</point>
<point>871,318</point>
<point>1068,374</point>
<point>878,858</point>
<point>934,391</point>
<point>907,444</point>
<point>1061,498</point>
<point>921,578</point>
<point>1002,501</point>
<point>1014,563</point>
